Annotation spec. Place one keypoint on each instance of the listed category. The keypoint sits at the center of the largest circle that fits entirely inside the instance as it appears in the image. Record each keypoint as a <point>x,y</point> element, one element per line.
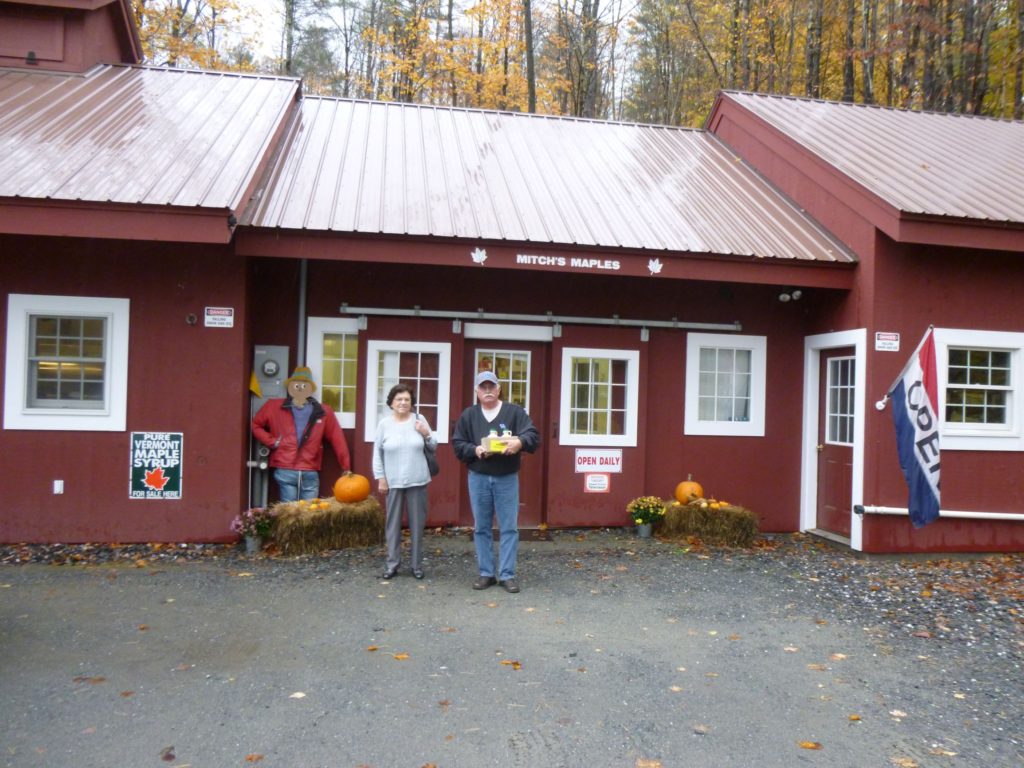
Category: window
<point>513,371</point>
<point>424,366</point>
<point>600,396</point>
<point>980,375</point>
<point>725,384</point>
<point>332,346</point>
<point>840,406</point>
<point>67,363</point>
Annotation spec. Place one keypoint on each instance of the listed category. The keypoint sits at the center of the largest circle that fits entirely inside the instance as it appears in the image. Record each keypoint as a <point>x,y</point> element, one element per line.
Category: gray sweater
<point>398,453</point>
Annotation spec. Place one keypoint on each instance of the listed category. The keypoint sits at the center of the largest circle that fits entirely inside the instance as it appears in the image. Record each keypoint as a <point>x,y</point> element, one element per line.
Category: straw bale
<point>728,526</point>
<point>308,527</point>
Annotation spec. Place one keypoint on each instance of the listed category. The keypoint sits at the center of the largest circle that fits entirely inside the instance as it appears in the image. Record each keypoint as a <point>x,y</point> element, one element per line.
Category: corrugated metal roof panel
<point>373,167</point>
<point>137,135</point>
<point>920,162</point>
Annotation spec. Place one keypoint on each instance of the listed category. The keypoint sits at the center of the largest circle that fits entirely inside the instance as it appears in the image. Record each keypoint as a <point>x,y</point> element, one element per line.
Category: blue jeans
<point>490,494</point>
<point>294,484</point>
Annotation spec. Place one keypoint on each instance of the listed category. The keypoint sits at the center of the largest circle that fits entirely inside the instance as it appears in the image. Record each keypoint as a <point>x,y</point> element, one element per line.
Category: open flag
<point>915,415</point>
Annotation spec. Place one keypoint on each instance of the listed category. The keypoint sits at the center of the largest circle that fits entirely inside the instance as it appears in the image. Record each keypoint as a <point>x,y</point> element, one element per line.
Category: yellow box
<point>495,444</point>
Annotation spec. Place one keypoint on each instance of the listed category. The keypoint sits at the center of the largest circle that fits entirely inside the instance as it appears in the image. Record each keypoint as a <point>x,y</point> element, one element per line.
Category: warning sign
<point>156,465</point>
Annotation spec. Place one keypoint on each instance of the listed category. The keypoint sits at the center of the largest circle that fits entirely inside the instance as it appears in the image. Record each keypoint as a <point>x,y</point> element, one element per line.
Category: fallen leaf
<point>127,694</point>
<point>297,695</point>
<point>903,762</point>
<point>444,704</point>
<point>372,648</point>
<point>429,765</point>
<point>400,656</point>
<point>734,637</point>
<point>897,713</point>
<point>702,730</point>
<point>641,763</point>
<point>809,745</point>
<point>821,622</point>
<point>675,689</point>
<point>791,649</point>
<point>514,664</point>
<point>91,680</point>
<point>959,695</point>
<point>90,729</point>
<point>942,752</point>
<point>242,574</point>
<point>143,627</point>
<point>449,629</point>
<point>922,633</point>
<point>253,758</point>
<point>837,656</point>
<point>818,667</point>
<point>491,605</point>
<point>167,754</point>
<point>855,718</point>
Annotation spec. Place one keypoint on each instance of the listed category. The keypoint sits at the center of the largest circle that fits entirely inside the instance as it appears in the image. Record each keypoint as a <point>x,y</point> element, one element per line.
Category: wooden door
<point>835,440</point>
<point>521,371</point>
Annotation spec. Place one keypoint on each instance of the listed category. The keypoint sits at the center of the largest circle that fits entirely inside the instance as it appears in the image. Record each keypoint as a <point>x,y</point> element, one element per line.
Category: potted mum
<point>253,524</point>
<point>645,511</point>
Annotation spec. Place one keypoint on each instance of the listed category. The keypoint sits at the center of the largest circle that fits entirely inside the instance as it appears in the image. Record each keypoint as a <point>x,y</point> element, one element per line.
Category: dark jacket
<point>274,426</point>
<point>472,427</point>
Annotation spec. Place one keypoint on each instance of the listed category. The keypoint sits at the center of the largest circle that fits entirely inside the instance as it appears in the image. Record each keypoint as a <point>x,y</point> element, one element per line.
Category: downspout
<point>300,352</point>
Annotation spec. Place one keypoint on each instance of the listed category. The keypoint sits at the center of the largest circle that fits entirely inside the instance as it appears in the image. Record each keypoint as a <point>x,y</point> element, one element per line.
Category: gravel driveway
<point>618,652</point>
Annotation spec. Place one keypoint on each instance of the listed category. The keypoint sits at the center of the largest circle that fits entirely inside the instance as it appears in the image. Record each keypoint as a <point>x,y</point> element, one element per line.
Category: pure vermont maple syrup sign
<point>156,465</point>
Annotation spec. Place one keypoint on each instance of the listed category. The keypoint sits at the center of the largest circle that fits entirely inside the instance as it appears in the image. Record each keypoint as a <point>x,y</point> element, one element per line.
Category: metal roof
<point>919,162</point>
<point>138,135</point>
<point>401,169</point>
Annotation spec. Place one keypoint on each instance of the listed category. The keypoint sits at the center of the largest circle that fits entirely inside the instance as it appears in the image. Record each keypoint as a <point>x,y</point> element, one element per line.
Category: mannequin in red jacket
<point>295,429</point>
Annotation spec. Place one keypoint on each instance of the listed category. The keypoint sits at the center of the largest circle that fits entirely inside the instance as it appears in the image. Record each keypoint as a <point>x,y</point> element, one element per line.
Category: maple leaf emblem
<point>479,256</point>
<point>156,479</point>
<point>654,265</point>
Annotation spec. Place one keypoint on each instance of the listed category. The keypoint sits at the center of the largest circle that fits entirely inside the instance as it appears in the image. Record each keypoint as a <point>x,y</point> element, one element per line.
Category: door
<point>835,440</point>
<point>521,368</point>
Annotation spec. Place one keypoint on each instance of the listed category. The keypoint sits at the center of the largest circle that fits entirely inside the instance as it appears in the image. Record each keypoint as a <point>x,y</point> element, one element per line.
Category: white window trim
<point>316,327</point>
<point>629,439</point>
<point>758,347</point>
<point>962,437</point>
<point>444,389</point>
<point>17,414</point>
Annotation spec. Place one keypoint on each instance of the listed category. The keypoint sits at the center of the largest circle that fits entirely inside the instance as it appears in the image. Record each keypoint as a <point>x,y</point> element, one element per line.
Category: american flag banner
<point>915,415</point>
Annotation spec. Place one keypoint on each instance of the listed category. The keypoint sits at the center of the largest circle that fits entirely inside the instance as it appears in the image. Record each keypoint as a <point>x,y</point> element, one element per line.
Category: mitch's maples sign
<point>156,465</point>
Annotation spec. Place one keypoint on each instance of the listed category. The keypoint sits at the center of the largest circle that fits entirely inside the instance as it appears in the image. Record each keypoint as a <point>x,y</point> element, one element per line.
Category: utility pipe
<point>867,509</point>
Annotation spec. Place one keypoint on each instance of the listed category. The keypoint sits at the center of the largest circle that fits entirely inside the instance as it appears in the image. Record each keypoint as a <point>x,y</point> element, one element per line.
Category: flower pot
<point>644,530</point>
<point>253,545</point>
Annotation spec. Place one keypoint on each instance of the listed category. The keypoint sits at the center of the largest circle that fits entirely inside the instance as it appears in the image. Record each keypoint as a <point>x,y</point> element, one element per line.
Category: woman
<point>400,469</point>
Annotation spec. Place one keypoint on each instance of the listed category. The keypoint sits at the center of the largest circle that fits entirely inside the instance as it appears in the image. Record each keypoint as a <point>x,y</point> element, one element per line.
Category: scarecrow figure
<point>294,429</point>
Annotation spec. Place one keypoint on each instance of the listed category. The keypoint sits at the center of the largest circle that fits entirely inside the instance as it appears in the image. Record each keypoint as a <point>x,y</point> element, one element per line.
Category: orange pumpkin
<point>688,490</point>
<point>350,488</point>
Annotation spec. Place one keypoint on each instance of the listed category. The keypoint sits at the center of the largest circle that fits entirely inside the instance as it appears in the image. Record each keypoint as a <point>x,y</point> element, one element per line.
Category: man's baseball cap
<point>485,376</point>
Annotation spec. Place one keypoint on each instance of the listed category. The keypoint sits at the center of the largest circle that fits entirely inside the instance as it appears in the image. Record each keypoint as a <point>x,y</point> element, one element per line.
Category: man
<point>494,476</point>
<point>294,429</point>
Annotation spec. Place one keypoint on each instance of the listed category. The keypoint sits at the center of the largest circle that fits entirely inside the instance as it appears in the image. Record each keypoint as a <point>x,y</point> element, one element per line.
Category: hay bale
<point>302,528</point>
<point>728,526</point>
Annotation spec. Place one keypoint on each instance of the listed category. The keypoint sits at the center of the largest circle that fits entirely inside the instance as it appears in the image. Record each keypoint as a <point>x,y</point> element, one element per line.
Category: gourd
<point>688,490</point>
<point>350,488</point>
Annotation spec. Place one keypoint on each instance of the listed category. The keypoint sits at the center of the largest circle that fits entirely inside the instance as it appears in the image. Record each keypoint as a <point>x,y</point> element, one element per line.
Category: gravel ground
<point>628,652</point>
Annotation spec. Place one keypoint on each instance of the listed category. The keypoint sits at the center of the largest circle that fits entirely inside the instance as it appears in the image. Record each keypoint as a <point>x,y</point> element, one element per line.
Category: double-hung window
<point>981,375</point>
<point>424,366</point>
<point>600,396</point>
<point>332,352</point>
<point>725,385</point>
<point>67,363</point>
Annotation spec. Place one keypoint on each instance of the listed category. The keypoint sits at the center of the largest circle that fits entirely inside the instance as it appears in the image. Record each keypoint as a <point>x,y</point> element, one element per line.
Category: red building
<point>728,303</point>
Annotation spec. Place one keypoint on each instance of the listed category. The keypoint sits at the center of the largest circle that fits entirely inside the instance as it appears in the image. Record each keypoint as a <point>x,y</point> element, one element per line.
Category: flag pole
<point>880,405</point>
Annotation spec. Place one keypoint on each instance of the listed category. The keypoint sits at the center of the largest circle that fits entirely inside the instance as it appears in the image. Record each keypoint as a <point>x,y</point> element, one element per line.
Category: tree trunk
<point>531,75</point>
<point>849,79</point>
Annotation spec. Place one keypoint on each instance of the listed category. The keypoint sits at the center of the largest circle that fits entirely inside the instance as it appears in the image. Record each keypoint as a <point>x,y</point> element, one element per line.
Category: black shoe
<point>510,585</point>
<point>390,573</point>
<point>483,582</point>
<point>417,573</point>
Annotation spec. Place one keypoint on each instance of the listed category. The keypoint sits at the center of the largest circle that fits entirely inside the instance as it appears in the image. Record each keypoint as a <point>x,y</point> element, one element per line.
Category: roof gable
<point>139,136</point>
<point>920,163</point>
